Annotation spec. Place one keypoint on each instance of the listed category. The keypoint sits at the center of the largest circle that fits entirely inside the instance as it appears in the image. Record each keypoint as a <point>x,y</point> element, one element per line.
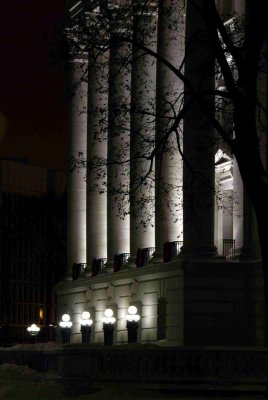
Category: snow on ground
<point>34,346</point>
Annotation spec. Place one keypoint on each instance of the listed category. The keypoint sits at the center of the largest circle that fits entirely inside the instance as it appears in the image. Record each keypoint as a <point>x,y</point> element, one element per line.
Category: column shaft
<point>142,189</point>
<point>97,158</point>
<point>169,89</point>
<point>238,206</point>
<point>240,7</point>
<point>242,217</point>
<point>118,151</point>
<point>77,125</point>
<point>198,144</point>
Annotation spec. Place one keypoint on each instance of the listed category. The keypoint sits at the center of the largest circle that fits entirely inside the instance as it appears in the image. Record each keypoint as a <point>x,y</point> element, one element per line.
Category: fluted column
<point>198,143</point>
<point>97,157</point>
<point>118,151</point>
<point>142,134</point>
<point>168,211</point>
<point>76,189</point>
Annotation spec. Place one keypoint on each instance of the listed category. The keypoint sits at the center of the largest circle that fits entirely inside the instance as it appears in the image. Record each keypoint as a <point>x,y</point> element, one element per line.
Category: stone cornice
<point>124,277</point>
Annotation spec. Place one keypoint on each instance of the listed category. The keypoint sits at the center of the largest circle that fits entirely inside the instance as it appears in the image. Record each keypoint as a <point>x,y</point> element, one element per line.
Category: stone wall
<point>214,302</point>
<point>143,287</point>
<point>223,303</point>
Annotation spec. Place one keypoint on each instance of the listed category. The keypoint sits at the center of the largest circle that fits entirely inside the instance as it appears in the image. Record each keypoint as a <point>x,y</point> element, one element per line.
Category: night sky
<point>31,89</point>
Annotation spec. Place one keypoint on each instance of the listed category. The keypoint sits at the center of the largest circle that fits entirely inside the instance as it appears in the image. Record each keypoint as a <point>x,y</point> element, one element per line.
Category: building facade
<point>32,248</point>
<point>189,265</point>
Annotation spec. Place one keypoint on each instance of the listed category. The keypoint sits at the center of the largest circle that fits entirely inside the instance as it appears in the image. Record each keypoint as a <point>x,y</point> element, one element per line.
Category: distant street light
<point>33,331</point>
<point>108,326</point>
<point>86,323</point>
<point>132,324</point>
<point>65,326</point>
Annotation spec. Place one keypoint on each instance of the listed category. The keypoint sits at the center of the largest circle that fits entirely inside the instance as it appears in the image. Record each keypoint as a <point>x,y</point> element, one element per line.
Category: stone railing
<point>120,261</point>
<point>144,256</point>
<point>171,250</point>
<point>165,364</point>
<point>228,248</point>
<point>98,266</point>
<point>77,270</point>
<point>209,368</point>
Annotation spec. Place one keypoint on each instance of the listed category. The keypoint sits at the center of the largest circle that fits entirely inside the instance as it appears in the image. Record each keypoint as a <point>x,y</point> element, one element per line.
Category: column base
<point>131,264</point>
<point>68,276</point>
<point>242,253</point>
<point>109,267</point>
<point>87,272</point>
<point>157,258</point>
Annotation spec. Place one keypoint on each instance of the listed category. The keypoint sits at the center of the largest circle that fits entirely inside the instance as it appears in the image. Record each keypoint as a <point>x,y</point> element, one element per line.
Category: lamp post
<point>108,326</point>
<point>132,324</point>
<point>86,323</point>
<point>33,331</point>
<point>65,326</point>
<point>51,332</point>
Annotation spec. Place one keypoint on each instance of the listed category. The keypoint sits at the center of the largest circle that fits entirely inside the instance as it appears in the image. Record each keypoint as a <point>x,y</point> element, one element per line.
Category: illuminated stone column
<point>198,139</point>
<point>238,206</point>
<point>239,7</point>
<point>118,151</point>
<point>97,158</point>
<point>142,134</point>
<point>242,217</point>
<point>76,189</point>
<point>169,89</point>
<point>223,200</point>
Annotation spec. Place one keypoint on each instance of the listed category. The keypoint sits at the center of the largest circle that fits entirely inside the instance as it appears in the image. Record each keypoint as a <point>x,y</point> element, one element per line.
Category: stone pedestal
<point>219,309</point>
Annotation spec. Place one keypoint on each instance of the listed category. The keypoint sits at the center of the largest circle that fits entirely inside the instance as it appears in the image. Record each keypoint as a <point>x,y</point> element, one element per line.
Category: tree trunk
<point>261,210</point>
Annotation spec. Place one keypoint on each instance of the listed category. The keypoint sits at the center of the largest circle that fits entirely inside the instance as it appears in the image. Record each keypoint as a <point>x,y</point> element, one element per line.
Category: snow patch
<point>33,346</point>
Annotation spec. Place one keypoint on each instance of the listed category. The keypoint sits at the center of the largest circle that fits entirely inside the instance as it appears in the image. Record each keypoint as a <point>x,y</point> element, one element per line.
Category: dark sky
<point>31,91</point>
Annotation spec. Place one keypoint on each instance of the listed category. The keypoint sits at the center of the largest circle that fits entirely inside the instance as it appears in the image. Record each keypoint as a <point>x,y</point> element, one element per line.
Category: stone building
<point>193,273</point>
